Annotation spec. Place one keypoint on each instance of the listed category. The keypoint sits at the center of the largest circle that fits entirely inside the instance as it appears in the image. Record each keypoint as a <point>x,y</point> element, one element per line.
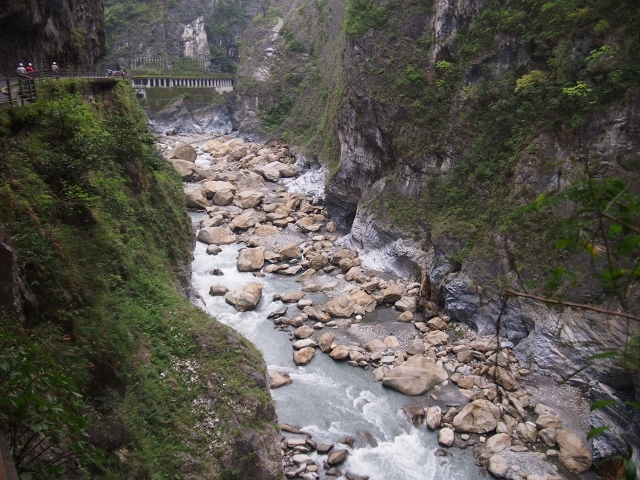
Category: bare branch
<point>617,220</point>
<point>572,304</point>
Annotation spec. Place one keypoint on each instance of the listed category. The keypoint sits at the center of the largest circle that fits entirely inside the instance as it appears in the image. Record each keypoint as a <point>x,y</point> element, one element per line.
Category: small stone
<point>446,437</point>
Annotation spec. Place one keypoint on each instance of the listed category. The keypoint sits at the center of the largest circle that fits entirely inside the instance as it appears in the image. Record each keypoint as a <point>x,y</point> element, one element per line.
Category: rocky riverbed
<point>470,390</point>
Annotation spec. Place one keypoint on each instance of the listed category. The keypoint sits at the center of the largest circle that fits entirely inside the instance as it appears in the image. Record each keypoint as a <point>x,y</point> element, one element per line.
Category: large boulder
<point>202,173</point>
<point>446,437</point>
<point>277,379</point>
<point>247,219</point>
<point>292,297</point>
<point>340,307</point>
<point>414,380</point>
<point>194,198</point>
<point>498,442</point>
<point>363,299</point>
<point>223,198</point>
<point>248,199</point>
<point>246,178</point>
<point>303,332</point>
<point>236,154</point>
<point>433,417</point>
<point>325,342</point>
<point>271,171</point>
<point>216,236</point>
<point>184,168</point>
<point>341,254</point>
<point>318,261</point>
<point>574,453</point>
<point>341,352</point>
<point>213,187</point>
<point>375,345</point>
<point>266,230</point>
<point>218,290</point>
<point>290,252</point>
<point>182,152</point>
<point>437,337</point>
<point>392,293</point>
<point>527,432</point>
<point>315,313</point>
<point>479,416</point>
<point>498,465</point>
<point>504,378</point>
<point>287,170</point>
<point>304,355</point>
<point>336,457</point>
<point>211,145</point>
<point>250,259</point>
<point>406,304</point>
<point>246,298</point>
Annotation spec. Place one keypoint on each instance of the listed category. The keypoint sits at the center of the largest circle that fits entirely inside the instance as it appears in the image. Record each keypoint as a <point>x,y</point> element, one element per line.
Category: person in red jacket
<point>30,68</point>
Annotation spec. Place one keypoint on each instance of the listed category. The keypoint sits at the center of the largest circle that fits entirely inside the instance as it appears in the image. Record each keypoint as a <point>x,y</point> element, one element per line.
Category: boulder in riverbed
<point>340,307</point>
<point>304,355</point>
<point>498,465</point>
<point>336,457</point>
<point>325,342</point>
<point>414,380</point>
<point>341,352</point>
<point>479,416</point>
<point>277,379</point>
<point>248,199</point>
<point>574,453</point>
<point>246,298</point>
<point>195,198</point>
<point>250,259</point>
<point>217,290</point>
<point>446,437</point>
<point>303,332</point>
<point>182,152</point>
<point>498,442</point>
<point>184,168</point>
<point>216,235</point>
<point>290,252</point>
<point>433,417</point>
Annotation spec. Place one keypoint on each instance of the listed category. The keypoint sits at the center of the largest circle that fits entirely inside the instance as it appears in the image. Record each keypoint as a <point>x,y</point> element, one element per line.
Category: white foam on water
<point>403,458</point>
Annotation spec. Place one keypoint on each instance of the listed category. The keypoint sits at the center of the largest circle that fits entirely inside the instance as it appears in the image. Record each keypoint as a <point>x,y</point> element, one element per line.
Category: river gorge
<point>267,224</point>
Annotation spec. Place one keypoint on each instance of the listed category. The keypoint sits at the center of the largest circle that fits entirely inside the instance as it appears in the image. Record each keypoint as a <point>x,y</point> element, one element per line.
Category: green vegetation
<point>103,241</point>
<point>40,412</point>
<point>362,15</point>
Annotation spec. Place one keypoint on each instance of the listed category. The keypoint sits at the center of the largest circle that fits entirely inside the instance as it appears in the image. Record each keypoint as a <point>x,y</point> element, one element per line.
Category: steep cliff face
<point>69,32</point>
<point>177,31</point>
<point>438,121</point>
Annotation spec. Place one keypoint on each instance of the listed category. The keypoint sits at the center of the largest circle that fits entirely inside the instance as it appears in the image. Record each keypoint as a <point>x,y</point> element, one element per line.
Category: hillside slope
<point>96,245</point>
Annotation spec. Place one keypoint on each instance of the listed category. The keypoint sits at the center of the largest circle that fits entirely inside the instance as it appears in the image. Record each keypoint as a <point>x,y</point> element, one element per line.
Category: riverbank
<point>265,239</point>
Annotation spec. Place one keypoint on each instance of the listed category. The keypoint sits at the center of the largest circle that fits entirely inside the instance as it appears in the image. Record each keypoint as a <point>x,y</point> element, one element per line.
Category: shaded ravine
<point>329,399</point>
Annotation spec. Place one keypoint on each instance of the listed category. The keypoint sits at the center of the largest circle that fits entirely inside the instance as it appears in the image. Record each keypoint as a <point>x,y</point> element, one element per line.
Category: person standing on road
<point>29,68</point>
<point>21,70</point>
<point>54,70</point>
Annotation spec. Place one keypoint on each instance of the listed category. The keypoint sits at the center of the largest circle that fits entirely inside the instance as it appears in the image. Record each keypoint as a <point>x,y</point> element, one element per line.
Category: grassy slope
<point>104,244</point>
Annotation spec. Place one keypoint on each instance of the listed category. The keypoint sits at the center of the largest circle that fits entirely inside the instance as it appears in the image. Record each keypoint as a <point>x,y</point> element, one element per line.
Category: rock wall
<point>69,32</point>
<point>382,151</point>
